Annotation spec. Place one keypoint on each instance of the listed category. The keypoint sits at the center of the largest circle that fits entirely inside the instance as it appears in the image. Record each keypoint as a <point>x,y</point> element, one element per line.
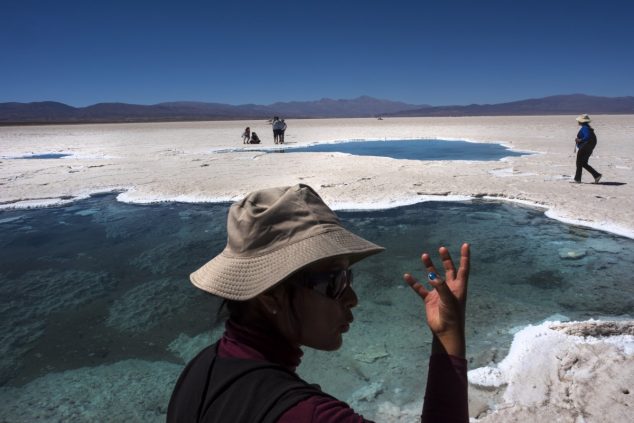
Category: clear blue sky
<point>423,52</point>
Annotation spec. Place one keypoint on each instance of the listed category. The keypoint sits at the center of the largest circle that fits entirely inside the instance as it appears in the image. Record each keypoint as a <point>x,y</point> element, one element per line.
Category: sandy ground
<point>176,161</point>
<point>180,161</point>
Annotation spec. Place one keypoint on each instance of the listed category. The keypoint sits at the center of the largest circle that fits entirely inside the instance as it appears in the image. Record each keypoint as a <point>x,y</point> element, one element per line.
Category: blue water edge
<point>98,317</point>
<point>45,156</point>
<point>410,149</point>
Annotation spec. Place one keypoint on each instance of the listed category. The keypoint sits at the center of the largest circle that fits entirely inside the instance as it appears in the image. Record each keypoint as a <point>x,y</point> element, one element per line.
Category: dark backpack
<point>214,389</point>
<point>593,137</point>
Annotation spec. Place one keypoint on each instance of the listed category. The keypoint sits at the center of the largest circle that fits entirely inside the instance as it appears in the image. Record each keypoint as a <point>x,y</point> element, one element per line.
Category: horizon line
<point>312,101</point>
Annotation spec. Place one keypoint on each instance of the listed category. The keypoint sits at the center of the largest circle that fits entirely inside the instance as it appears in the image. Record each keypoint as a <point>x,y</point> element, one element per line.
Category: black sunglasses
<point>331,284</point>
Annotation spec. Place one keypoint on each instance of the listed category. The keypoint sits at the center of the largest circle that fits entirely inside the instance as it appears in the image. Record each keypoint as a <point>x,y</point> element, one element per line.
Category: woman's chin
<point>334,345</point>
<point>338,343</point>
<point>327,343</point>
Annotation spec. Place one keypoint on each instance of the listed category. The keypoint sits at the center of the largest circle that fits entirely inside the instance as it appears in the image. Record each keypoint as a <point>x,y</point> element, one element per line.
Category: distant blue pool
<point>414,149</point>
<point>44,156</point>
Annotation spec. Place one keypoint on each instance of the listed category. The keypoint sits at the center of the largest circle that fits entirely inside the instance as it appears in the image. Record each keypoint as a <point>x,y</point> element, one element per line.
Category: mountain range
<point>48,112</point>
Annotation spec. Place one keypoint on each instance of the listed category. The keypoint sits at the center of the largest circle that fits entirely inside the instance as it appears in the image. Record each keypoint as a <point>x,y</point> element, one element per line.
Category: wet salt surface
<point>408,149</point>
<point>99,289</point>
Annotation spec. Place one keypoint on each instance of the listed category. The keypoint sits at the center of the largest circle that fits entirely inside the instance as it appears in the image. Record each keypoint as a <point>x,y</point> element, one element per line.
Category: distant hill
<point>359,107</point>
<point>554,105</point>
<point>53,112</point>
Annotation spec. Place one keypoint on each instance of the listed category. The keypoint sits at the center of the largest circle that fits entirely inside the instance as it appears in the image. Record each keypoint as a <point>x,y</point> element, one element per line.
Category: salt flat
<point>178,161</point>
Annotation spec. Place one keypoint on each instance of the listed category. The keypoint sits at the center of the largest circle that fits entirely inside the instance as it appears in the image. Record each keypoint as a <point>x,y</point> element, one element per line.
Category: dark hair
<point>239,310</point>
<point>230,309</point>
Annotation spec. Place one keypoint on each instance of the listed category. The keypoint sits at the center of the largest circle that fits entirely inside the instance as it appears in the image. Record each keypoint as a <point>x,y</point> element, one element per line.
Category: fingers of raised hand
<point>441,286</point>
<point>465,255</point>
<point>415,285</point>
<point>450,270</point>
<point>429,265</point>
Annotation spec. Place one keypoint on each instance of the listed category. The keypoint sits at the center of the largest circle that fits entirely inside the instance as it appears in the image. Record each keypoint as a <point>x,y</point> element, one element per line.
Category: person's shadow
<point>612,183</point>
<point>616,184</point>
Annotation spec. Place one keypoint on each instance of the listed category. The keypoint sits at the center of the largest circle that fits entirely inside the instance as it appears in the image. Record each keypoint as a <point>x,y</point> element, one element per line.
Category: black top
<point>216,389</point>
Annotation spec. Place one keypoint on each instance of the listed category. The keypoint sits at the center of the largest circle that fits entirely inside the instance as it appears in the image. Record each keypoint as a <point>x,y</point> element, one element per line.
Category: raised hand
<point>445,304</point>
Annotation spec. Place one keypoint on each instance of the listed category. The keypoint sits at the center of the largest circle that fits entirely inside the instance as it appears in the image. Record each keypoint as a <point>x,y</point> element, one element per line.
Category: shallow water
<point>411,149</point>
<point>97,291</point>
<point>44,156</point>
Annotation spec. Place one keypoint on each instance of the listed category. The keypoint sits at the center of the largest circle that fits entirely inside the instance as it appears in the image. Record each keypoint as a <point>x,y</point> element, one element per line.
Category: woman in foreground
<point>286,276</point>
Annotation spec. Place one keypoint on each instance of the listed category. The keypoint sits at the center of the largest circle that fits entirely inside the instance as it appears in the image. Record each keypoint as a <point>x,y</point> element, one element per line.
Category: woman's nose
<point>349,297</point>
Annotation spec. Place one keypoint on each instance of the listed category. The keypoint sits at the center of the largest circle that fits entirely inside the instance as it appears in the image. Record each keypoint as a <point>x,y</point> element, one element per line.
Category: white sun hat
<point>273,233</point>
<point>583,119</point>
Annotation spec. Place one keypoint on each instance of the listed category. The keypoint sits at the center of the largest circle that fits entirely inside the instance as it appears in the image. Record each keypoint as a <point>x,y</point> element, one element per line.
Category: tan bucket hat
<point>584,119</point>
<point>273,233</point>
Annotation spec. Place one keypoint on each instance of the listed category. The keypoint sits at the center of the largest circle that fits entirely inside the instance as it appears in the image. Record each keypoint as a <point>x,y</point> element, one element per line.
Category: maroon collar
<point>261,344</point>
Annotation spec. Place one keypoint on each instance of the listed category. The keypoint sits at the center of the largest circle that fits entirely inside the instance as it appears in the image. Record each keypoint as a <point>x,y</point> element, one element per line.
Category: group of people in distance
<point>585,142</point>
<point>249,137</point>
<point>279,127</point>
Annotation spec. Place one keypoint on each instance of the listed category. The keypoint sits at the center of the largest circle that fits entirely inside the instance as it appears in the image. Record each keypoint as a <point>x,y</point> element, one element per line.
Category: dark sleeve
<point>446,398</point>
<point>322,410</point>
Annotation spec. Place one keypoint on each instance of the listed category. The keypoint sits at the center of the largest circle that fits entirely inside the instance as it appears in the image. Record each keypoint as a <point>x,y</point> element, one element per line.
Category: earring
<point>274,311</point>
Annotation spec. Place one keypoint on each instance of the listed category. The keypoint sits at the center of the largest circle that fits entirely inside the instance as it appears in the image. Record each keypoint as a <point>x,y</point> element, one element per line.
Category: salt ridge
<point>131,196</point>
<point>586,368</point>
